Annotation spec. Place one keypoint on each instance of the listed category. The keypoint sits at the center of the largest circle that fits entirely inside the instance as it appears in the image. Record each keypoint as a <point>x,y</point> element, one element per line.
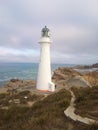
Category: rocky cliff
<point>70,77</point>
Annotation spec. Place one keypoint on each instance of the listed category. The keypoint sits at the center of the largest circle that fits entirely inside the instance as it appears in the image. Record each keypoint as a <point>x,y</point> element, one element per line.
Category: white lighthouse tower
<point>44,72</point>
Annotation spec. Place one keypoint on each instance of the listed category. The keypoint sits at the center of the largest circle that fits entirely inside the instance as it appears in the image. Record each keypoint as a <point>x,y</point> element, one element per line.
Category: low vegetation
<point>47,114</point>
<point>10,98</point>
<point>87,102</point>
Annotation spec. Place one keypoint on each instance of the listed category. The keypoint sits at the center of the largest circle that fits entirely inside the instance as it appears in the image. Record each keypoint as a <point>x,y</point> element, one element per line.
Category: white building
<point>44,72</point>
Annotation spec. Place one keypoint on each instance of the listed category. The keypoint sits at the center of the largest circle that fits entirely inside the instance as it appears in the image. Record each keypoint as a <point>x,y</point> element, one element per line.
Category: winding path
<point>70,112</point>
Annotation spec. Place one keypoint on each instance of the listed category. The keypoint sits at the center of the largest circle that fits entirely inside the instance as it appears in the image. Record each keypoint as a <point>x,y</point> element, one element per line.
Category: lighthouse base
<point>50,88</point>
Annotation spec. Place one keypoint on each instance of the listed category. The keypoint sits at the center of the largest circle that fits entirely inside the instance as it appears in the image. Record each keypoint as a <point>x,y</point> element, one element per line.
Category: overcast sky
<point>73,25</point>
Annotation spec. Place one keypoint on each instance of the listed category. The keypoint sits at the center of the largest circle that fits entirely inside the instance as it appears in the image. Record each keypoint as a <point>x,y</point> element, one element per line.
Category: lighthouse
<point>44,82</point>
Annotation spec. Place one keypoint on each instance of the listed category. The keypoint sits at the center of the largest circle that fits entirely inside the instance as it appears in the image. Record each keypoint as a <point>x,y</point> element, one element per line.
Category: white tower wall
<point>44,72</point>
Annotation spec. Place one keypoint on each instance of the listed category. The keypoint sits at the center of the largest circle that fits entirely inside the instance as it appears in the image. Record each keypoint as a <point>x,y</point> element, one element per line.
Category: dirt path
<point>70,112</point>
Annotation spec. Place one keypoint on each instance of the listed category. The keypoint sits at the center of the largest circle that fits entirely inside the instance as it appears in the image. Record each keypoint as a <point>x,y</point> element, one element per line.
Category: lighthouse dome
<point>45,32</point>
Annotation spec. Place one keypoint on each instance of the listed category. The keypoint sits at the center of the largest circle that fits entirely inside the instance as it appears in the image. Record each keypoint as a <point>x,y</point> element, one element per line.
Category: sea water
<point>22,71</point>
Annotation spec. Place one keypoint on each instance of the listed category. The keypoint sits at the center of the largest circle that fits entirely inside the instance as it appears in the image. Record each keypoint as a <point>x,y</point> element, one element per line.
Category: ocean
<point>22,71</point>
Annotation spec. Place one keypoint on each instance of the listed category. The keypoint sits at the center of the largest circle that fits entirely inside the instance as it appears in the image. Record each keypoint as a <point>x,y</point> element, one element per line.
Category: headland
<point>45,110</point>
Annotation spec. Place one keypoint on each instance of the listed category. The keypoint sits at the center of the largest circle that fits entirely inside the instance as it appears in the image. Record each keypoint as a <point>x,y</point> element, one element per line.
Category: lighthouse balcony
<point>45,40</point>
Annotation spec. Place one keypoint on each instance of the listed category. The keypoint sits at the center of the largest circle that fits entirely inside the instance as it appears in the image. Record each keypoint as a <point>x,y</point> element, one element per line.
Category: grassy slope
<point>47,114</point>
<point>43,115</point>
<point>87,102</point>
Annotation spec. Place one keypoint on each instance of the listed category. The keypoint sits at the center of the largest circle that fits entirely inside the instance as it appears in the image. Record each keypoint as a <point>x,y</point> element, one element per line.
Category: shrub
<point>43,115</point>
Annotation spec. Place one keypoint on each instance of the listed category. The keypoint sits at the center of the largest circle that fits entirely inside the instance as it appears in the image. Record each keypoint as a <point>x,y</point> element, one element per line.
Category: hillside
<point>22,107</point>
<point>44,114</point>
<point>72,78</point>
<point>87,102</point>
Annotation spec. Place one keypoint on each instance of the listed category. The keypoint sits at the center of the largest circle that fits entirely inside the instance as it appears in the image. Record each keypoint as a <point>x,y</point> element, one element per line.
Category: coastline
<point>22,71</point>
<point>83,71</point>
<point>23,95</point>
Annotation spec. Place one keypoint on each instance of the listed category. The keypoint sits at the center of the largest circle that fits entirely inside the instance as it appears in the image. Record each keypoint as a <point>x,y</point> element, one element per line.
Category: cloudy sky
<point>73,25</point>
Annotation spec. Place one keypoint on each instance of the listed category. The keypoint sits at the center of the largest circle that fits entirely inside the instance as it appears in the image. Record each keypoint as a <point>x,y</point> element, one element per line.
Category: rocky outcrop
<point>70,77</point>
<point>92,77</point>
<point>20,85</point>
<point>95,65</point>
<point>64,74</point>
<point>78,81</point>
<point>14,80</point>
<point>86,66</point>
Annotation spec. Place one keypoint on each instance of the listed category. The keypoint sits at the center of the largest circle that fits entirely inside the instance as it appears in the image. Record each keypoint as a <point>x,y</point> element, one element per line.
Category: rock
<point>92,77</point>
<point>14,80</point>
<point>69,77</point>
<point>64,74</point>
<point>78,81</point>
<point>20,85</point>
<point>95,65</point>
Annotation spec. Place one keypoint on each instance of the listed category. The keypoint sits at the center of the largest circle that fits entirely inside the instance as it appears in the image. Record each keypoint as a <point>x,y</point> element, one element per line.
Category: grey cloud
<point>18,58</point>
<point>73,25</point>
